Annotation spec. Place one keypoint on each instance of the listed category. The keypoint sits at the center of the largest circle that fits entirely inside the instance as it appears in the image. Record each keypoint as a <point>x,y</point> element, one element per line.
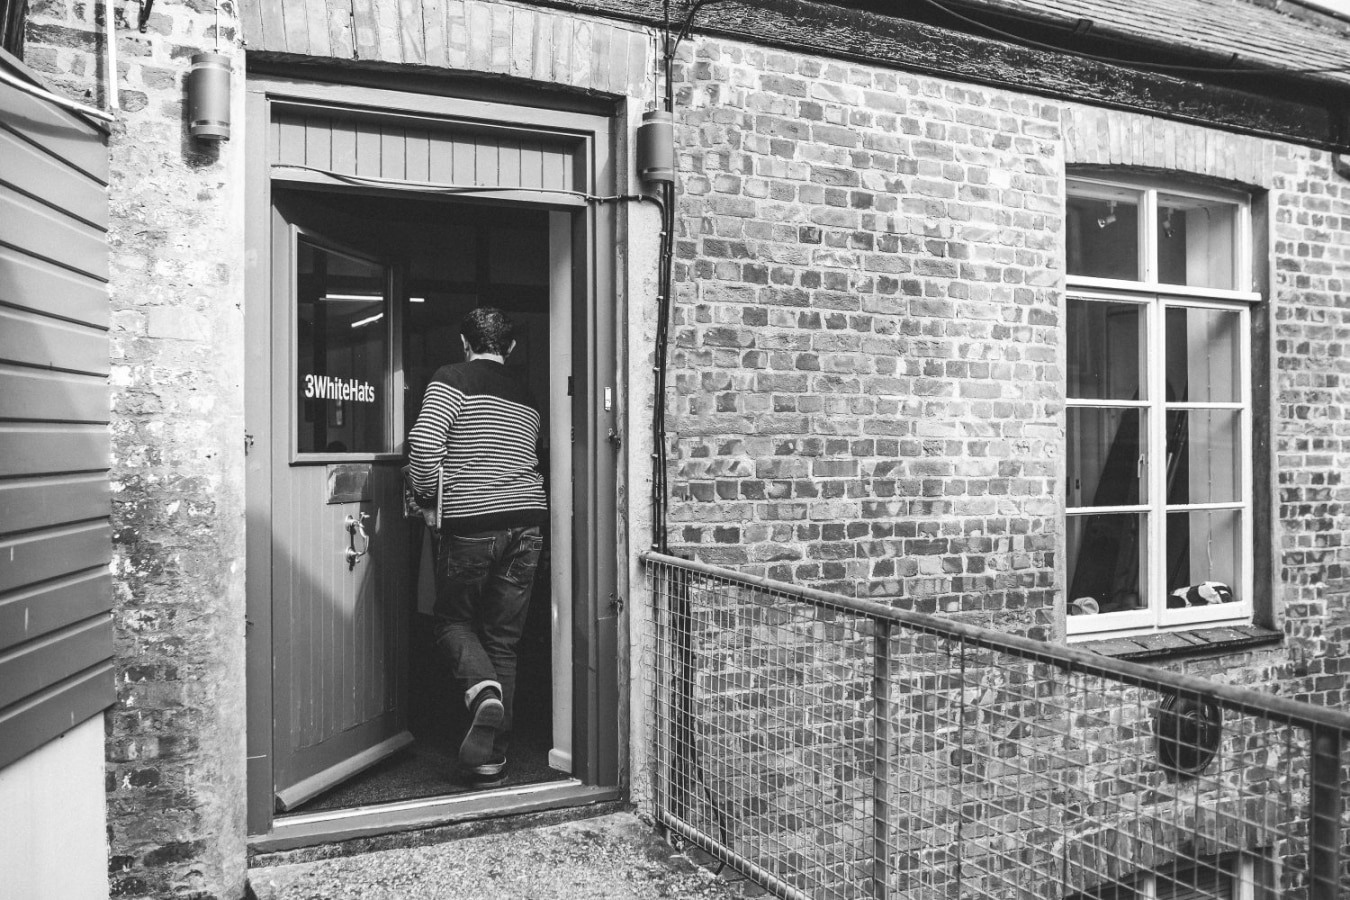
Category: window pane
<point>1105,342</point>
<point>1203,365</point>
<point>1105,447</point>
<point>342,353</point>
<point>1102,236</point>
<point>1203,557</point>
<point>1107,561</point>
<point>1196,240</point>
<point>1203,456</point>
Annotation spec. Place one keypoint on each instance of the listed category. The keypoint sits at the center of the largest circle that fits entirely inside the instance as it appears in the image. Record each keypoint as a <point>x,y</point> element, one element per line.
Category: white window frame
<point>1155,298</point>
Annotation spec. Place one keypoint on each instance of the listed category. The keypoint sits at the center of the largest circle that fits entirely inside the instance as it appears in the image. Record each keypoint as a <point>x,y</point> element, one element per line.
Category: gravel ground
<point>614,857</point>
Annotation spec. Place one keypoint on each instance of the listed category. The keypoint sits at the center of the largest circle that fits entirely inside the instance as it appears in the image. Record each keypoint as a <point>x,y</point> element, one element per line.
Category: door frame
<point>595,566</point>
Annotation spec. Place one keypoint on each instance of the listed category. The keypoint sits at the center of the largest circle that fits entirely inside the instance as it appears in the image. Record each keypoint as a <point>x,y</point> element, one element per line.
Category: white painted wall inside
<point>53,833</point>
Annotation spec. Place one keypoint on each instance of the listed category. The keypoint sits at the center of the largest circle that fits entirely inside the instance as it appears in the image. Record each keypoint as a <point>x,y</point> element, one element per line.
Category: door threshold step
<point>431,820</point>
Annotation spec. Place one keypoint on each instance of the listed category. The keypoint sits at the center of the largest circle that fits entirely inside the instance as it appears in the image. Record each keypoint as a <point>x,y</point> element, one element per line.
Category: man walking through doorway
<point>475,442</point>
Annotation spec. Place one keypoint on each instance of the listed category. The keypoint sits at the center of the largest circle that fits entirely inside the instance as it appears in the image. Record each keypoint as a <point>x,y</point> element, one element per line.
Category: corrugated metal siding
<point>410,149</point>
<point>56,643</point>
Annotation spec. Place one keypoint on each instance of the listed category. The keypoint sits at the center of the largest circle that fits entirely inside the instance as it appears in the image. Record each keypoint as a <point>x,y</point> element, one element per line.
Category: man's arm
<point>426,441</point>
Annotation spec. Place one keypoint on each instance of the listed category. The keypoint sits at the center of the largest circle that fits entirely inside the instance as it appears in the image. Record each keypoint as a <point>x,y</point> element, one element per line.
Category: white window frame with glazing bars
<point>1154,298</point>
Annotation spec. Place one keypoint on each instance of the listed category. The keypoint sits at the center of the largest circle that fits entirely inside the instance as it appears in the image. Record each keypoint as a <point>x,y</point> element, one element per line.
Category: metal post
<point>662,578</point>
<point>1324,827</point>
<point>682,678</point>
<point>881,758</point>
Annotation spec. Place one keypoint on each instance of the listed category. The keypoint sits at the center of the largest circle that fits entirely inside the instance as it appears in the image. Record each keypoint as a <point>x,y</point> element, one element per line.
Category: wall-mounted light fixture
<point>208,90</point>
<point>656,146</point>
<point>1110,217</point>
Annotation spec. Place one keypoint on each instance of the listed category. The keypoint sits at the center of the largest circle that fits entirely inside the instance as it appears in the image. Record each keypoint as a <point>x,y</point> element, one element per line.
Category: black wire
<point>660,498</point>
<point>668,58</point>
<point>1029,42</point>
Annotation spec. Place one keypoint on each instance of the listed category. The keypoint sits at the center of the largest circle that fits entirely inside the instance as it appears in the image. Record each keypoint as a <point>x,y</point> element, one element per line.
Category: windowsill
<point>1178,644</point>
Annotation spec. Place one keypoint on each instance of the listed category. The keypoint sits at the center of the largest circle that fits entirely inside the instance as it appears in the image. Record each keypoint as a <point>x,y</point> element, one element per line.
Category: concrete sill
<point>1170,645</point>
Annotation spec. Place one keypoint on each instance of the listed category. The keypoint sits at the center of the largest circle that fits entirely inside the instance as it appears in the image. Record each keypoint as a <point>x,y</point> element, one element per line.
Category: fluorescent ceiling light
<point>364,298</point>
<point>366,321</point>
<point>417,299</point>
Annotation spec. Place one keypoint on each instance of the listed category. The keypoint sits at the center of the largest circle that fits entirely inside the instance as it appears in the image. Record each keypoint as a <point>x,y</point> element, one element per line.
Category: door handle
<point>356,526</point>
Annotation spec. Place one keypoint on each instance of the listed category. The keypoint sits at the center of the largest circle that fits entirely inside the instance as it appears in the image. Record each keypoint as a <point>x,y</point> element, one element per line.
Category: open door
<point>385,216</point>
<point>340,549</point>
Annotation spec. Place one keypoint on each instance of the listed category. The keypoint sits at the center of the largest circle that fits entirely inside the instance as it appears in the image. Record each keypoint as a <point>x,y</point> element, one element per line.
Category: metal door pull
<point>356,526</point>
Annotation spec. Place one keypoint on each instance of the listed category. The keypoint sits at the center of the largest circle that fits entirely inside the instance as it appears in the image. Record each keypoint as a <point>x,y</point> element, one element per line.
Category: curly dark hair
<point>488,330</point>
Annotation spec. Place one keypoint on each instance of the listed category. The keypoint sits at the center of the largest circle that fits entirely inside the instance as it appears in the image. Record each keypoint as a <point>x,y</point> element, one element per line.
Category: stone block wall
<point>175,739</point>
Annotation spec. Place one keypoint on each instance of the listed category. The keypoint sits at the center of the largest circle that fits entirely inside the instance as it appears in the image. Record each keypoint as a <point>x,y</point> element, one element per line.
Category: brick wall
<point>867,330</point>
<point>1310,326</point>
<point>867,370</point>
<point>867,377</point>
<point>175,738</point>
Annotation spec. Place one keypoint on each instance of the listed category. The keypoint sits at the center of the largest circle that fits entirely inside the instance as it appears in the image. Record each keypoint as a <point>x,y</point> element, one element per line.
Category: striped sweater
<point>478,423</point>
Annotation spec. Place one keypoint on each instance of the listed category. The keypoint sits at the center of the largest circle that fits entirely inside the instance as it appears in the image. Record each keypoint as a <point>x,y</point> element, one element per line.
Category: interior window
<point>1196,240</point>
<point>1103,234</point>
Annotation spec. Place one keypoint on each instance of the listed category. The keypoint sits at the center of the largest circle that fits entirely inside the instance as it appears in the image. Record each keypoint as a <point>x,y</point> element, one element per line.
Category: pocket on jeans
<point>466,557</point>
<point>525,560</point>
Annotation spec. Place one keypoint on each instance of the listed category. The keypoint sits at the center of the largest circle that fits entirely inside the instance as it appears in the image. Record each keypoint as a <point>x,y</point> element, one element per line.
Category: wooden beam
<point>853,34</point>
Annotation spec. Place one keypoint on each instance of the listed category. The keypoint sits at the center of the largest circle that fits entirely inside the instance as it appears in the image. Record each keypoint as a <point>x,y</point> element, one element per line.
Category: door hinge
<point>248,442</point>
<point>615,438</point>
<point>616,603</point>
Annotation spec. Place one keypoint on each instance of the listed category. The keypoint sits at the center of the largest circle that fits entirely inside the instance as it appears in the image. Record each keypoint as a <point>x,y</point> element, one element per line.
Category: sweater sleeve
<point>427,440</point>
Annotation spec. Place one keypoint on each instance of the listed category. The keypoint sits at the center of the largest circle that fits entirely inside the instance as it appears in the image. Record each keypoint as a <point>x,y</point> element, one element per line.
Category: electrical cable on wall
<point>665,289</point>
<point>431,187</point>
<point>683,678</point>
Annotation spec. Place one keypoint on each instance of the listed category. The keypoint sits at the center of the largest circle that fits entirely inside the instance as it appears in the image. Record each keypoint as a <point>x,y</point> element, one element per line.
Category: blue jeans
<point>483,585</point>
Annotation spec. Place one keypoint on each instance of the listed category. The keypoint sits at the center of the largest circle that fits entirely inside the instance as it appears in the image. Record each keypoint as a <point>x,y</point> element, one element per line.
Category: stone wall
<point>175,739</point>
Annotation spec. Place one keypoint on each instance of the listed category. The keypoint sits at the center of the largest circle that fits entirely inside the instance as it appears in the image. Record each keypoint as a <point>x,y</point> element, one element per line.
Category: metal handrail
<point>1290,712</point>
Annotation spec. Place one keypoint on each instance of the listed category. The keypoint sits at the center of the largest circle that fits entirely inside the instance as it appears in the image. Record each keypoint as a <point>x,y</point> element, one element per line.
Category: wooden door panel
<point>340,625</point>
